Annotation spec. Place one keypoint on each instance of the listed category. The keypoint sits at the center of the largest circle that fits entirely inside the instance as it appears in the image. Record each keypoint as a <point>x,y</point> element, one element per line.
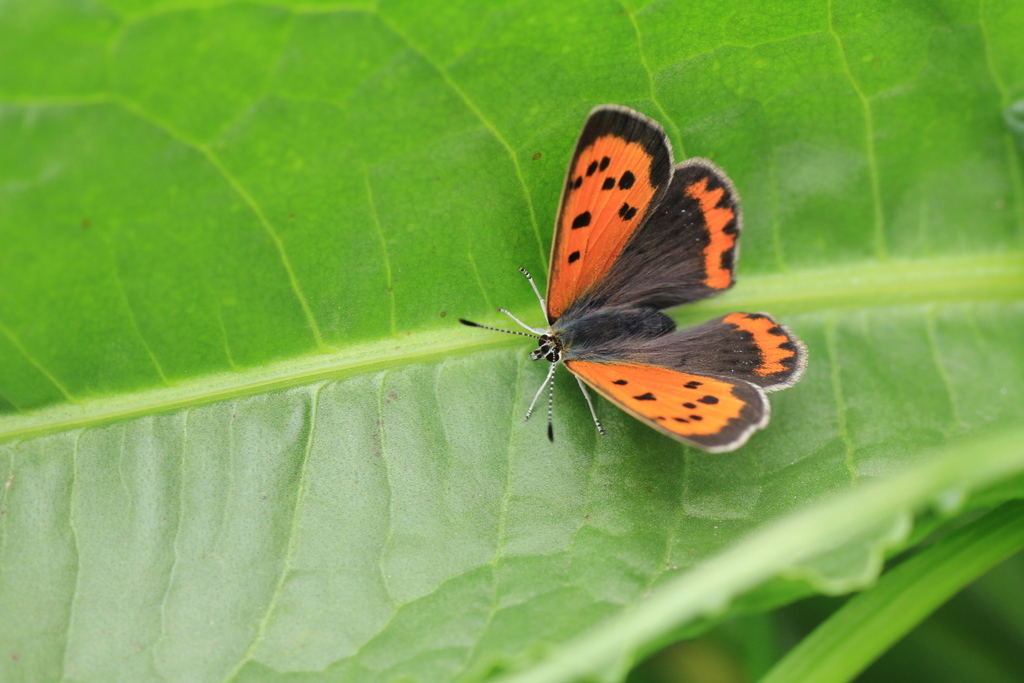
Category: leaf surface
<point>242,436</point>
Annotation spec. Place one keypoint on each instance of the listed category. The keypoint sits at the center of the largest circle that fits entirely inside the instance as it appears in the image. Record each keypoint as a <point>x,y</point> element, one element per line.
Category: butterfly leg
<point>593,413</point>
<point>543,304</point>
<point>536,396</point>
<point>551,408</point>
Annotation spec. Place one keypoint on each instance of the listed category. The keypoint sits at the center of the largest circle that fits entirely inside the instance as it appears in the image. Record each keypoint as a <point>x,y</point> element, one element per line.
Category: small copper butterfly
<point>636,234</point>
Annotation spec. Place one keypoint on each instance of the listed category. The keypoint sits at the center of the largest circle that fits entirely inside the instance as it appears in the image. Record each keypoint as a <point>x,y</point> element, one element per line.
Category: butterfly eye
<point>541,352</point>
<point>549,349</point>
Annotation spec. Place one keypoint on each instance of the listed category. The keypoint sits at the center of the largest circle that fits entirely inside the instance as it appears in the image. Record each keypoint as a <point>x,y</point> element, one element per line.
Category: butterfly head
<point>549,348</point>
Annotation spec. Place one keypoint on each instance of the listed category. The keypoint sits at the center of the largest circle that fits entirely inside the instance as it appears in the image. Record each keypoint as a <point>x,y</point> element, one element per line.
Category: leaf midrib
<point>872,284</point>
<point>866,285</point>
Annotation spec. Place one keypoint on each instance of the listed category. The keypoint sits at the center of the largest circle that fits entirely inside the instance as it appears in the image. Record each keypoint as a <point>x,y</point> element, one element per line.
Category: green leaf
<point>780,547</point>
<point>243,436</point>
<point>870,623</point>
<point>977,633</point>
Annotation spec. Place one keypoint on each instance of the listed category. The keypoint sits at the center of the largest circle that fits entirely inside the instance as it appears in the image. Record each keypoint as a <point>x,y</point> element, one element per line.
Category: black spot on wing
<point>591,168</point>
<point>604,163</point>
<point>629,127</point>
<point>626,181</point>
<point>608,183</point>
<point>620,382</point>
<point>692,384</point>
<point>581,221</point>
<point>646,397</point>
<point>574,256</point>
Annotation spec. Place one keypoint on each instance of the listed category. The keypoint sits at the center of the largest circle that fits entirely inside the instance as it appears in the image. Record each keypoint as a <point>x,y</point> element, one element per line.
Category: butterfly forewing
<point>685,250</point>
<point>620,168</point>
<point>713,413</point>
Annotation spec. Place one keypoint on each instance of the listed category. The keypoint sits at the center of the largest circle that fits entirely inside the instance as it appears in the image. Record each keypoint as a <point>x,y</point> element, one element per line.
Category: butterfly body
<point>635,235</point>
<point>605,332</point>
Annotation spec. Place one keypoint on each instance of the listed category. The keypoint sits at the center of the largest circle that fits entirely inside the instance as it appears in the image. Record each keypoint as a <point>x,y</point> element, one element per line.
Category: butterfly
<point>636,234</point>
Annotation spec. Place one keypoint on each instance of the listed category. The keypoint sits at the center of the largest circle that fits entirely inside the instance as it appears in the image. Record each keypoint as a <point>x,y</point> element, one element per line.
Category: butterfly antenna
<point>536,396</point>
<point>551,406</point>
<point>593,413</point>
<point>521,323</point>
<point>496,329</point>
<point>543,304</point>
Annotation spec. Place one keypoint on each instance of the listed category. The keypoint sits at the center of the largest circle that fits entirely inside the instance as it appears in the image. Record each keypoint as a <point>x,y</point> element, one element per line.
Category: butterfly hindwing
<point>620,169</point>
<point>712,413</point>
<point>703,385</point>
<point>751,347</point>
<point>686,249</point>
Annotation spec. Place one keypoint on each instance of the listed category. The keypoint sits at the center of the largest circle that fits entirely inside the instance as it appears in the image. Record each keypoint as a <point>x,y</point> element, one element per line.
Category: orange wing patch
<point>607,197</point>
<point>721,241</point>
<point>690,406</point>
<point>769,338</point>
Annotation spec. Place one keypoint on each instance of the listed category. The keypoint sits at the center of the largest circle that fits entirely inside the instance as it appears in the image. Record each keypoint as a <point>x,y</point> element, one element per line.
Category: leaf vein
<point>239,189</point>
<point>450,82</point>
<point>506,495</point>
<point>837,392</point>
<point>382,451</point>
<point>132,318</point>
<point>986,278</point>
<point>16,343</point>
<point>122,480</point>
<point>499,541</point>
<point>175,553</point>
<point>881,251</point>
<point>678,139</point>
<point>677,521</point>
<point>289,554</point>
<point>383,247</point>
<point>192,6</point>
<point>479,280</point>
<point>6,396</point>
<point>933,347</point>
<point>776,224</point>
<point>224,335</point>
<point>77,562</point>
